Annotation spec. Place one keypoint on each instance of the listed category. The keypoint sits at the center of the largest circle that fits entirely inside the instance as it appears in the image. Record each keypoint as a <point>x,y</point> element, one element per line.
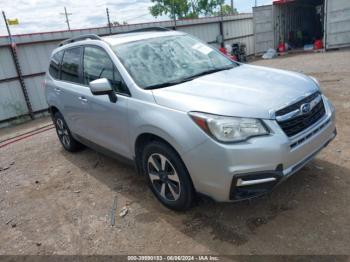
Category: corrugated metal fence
<point>34,52</point>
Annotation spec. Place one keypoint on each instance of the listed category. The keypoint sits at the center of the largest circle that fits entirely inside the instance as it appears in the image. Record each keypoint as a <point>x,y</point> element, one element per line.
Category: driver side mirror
<point>102,86</point>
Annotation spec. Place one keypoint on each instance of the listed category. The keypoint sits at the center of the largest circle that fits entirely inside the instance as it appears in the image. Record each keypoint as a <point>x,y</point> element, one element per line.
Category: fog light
<point>241,182</point>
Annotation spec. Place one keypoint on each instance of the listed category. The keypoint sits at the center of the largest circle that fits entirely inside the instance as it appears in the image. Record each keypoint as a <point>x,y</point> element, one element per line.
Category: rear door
<point>72,91</point>
<point>338,23</point>
<point>53,92</point>
<point>263,28</point>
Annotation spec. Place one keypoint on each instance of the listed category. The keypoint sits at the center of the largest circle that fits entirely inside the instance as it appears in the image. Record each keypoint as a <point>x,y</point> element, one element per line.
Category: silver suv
<point>191,120</point>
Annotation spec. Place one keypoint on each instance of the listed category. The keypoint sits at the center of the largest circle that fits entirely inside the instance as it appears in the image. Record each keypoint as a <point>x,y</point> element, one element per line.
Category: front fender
<point>175,127</point>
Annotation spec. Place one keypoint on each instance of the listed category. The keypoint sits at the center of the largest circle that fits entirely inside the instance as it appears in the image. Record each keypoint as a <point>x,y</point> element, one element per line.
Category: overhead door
<point>263,28</point>
<point>338,23</point>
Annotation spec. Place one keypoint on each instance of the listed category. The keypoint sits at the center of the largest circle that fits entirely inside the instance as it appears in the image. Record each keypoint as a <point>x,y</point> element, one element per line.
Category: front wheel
<point>167,176</point>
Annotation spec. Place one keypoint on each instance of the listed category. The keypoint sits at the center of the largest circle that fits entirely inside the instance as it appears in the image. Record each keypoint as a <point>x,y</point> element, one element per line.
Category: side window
<point>55,65</point>
<point>98,64</point>
<point>71,65</point>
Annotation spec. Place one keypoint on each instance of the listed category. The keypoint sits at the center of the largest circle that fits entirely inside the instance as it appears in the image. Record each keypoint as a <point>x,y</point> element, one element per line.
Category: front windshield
<point>157,61</point>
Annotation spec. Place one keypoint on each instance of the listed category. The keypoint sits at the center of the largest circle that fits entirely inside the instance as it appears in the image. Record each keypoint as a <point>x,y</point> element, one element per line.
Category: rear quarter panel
<point>51,96</point>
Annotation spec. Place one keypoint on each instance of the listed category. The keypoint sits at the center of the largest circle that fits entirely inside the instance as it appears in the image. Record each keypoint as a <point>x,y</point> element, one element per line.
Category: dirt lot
<point>54,202</point>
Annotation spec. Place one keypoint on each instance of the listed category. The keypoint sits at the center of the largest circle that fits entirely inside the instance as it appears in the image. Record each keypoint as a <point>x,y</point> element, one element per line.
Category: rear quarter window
<point>55,65</point>
<point>71,65</point>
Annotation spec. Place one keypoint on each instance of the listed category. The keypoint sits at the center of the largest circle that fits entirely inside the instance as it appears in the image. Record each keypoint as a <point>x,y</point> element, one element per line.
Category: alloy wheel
<point>62,132</point>
<point>164,177</point>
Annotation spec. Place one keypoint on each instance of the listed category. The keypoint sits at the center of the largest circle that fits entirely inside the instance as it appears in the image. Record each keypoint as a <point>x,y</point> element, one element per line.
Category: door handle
<point>57,90</point>
<point>83,99</point>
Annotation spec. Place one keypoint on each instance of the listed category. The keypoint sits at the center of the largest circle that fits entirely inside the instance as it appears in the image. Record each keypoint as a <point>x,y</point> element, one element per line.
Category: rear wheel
<point>64,134</point>
<point>167,176</point>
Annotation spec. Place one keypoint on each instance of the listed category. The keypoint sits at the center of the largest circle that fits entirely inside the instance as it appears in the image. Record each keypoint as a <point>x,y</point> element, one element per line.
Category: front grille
<point>297,105</point>
<point>299,123</point>
<point>314,132</point>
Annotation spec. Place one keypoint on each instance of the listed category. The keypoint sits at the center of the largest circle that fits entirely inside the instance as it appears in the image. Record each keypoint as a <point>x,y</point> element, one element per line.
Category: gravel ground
<point>54,202</point>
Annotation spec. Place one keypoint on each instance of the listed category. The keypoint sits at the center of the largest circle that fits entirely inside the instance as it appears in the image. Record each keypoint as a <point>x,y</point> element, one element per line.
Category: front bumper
<point>231,172</point>
<point>251,185</point>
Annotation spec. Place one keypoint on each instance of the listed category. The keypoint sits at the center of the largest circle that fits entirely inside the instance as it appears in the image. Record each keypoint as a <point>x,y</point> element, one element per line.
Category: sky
<point>46,15</point>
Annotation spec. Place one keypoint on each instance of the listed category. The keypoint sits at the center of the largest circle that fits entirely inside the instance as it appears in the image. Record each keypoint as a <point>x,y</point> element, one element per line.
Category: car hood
<point>244,91</point>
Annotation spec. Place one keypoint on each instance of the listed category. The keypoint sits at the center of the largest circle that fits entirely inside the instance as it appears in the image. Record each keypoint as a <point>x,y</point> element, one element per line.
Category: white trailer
<point>300,22</point>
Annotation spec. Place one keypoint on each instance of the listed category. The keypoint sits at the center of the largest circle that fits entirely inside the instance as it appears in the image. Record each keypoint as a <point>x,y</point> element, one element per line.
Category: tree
<point>116,23</point>
<point>226,10</point>
<point>185,8</point>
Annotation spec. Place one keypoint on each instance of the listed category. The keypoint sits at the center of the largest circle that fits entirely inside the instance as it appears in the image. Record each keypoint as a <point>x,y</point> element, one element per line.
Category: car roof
<point>131,37</point>
<point>116,39</point>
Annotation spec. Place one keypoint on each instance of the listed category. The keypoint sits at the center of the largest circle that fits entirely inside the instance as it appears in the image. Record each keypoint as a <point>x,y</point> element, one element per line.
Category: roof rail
<point>148,29</point>
<point>80,38</point>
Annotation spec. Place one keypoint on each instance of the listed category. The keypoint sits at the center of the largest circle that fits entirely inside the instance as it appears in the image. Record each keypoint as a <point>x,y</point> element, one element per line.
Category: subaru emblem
<point>305,108</point>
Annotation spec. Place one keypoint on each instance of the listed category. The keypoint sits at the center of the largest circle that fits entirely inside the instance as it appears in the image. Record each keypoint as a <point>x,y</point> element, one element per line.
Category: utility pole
<point>174,14</point>
<point>66,15</point>
<point>256,3</point>
<point>232,6</point>
<point>222,26</point>
<point>8,28</point>
<point>109,22</point>
<point>18,69</point>
<point>221,12</point>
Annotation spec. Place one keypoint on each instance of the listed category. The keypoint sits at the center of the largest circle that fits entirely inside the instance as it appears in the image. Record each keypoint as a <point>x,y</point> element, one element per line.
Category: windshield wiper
<point>186,79</point>
<point>210,71</point>
<point>165,84</point>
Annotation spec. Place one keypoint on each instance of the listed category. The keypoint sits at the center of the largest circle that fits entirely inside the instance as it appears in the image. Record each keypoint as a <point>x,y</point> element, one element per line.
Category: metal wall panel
<point>206,33</point>
<point>263,28</point>
<point>338,23</point>
<point>12,102</point>
<point>59,35</point>
<point>240,31</point>
<point>35,58</point>
<point>36,92</point>
<point>238,28</point>
<point>7,67</point>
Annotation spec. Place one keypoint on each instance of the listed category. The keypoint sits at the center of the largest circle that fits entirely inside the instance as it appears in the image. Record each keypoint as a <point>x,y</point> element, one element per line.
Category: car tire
<point>167,176</point>
<point>64,134</point>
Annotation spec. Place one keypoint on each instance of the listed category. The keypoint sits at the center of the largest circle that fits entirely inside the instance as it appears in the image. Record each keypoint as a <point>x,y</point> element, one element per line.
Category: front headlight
<point>229,129</point>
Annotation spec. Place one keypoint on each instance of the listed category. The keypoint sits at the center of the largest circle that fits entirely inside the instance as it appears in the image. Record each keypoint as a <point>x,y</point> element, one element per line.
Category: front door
<point>106,123</point>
